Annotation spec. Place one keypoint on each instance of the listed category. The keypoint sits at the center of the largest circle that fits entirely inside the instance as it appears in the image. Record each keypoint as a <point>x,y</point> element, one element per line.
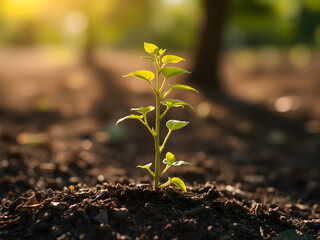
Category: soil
<point>66,172</point>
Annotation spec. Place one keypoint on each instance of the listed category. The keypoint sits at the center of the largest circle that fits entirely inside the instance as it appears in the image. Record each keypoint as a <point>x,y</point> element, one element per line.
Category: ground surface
<point>66,169</point>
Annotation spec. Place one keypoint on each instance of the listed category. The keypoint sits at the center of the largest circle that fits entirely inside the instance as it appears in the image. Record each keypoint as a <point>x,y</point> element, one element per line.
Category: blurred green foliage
<point>273,22</point>
<point>172,23</point>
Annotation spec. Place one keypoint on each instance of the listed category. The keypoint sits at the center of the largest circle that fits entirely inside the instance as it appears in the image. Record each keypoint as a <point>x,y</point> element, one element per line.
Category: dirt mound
<point>139,212</point>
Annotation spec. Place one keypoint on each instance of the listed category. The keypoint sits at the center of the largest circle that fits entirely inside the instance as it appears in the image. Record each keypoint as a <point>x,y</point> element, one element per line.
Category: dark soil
<point>82,186</point>
<point>74,176</point>
<point>139,212</point>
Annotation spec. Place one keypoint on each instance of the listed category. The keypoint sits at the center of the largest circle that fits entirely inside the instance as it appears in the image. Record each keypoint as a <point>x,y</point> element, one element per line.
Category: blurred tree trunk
<point>206,69</point>
<point>88,51</point>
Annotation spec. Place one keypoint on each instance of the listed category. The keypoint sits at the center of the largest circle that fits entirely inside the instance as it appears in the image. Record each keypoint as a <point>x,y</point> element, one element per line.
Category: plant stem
<point>162,85</point>
<point>164,113</point>
<point>166,93</point>
<point>156,141</point>
<point>157,131</point>
<point>165,141</point>
<point>164,170</point>
<point>145,122</point>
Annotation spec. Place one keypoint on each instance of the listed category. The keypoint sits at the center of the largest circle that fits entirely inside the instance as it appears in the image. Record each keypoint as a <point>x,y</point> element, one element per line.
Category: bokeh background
<point>255,62</point>
<point>261,46</point>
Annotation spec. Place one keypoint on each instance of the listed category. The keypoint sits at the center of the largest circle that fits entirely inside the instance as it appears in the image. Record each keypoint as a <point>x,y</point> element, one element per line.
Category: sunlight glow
<point>204,109</point>
<point>33,139</point>
<point>287,103</point>
<point>76,22</point>
<point>21,8</point>
<point>288,8</point>
<point>172,2</point>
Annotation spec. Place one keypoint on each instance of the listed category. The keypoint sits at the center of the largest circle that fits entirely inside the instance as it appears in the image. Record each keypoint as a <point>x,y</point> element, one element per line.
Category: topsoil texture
<point>76,186</point>
<point>139,212</point>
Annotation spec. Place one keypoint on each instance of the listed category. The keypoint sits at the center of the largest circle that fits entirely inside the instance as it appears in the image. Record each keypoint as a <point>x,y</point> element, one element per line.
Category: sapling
<point>162,74</point>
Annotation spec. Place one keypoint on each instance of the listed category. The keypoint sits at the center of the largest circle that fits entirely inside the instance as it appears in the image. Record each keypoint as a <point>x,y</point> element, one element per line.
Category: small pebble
<point>60,206</point>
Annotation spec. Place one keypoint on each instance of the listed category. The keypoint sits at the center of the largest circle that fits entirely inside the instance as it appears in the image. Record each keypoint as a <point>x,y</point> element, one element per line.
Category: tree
<point>206,68</point>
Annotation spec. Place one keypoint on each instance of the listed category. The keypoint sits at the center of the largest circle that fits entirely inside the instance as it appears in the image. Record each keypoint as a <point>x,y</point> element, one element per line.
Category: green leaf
<point>165,161</point>
<point>148,58</point>
<point>178,163</point>
<point>170,159</point>
<point>162,51</point>
<point>172,59</point>
<point>178,182</point>
<point>142,74</point>
<point>151,48</point>
<point>143,110</point>
<point>175,124</point>
<point>172,71</point>
<point>176,103</point>
<point>182,86</point>
<point>147,166</point>
<point>132,116</point>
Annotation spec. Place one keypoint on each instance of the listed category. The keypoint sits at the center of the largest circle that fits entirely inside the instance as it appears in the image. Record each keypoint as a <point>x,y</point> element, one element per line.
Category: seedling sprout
<point>161,76</point>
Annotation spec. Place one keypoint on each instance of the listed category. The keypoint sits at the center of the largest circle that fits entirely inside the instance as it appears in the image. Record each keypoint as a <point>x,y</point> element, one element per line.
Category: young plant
<point>163,73</point>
